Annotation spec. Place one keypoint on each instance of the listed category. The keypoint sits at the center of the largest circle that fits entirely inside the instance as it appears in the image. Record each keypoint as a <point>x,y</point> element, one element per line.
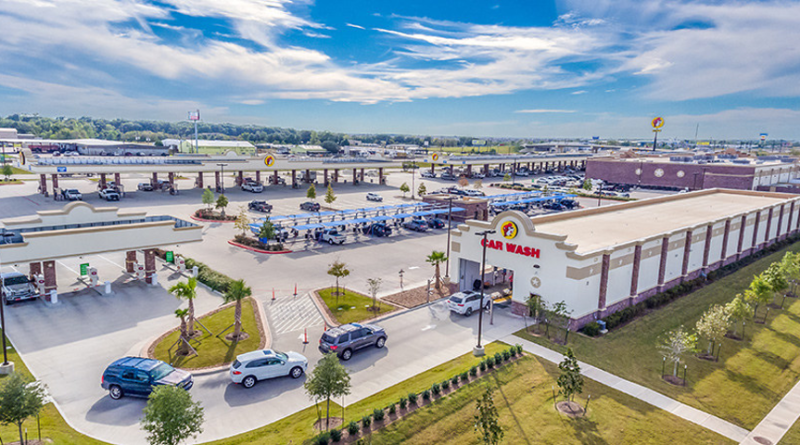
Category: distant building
<point>211,147</point>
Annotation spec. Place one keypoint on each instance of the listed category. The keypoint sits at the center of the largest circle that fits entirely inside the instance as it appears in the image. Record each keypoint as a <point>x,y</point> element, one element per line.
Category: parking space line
<point>101,256</point>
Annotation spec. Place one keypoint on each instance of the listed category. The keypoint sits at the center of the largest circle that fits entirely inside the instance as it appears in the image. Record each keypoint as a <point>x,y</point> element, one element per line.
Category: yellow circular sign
<point>269,161</point>
<point>435,157</point>
<point>509,230</point>
<point>657,122</point>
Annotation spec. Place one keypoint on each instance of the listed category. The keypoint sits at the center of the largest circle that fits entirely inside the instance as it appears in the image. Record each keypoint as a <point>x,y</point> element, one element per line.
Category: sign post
<point>84,269</point>
<point>657,123</point>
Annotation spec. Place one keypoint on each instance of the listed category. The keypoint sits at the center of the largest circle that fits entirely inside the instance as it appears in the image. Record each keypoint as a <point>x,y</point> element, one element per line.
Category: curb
<point>329,318</point>
<point>253,249</point>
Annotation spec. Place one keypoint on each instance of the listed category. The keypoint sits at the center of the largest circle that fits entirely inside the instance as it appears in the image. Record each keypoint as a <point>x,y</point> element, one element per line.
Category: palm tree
<point>183,346</point>
<point>436,258</point>
<point>187,290</point>
<point>237,291</point>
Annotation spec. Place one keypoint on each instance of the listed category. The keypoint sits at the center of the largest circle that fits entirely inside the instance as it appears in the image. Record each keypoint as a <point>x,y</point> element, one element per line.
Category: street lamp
<point>449,219</point>
<point>413,172</point>
<point>222,177</point>
<point>6,367</point>
<point>478,350</point>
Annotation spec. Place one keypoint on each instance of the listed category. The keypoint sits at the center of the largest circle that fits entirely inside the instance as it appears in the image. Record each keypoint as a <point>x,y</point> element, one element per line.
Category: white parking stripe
<point>291,313</point>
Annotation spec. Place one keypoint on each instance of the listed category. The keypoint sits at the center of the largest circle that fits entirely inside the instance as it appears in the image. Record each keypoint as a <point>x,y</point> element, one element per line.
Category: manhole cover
<point>762,440</point>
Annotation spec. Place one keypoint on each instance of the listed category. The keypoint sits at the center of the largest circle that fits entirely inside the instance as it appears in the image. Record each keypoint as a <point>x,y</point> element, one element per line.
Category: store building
<point>601,260</point>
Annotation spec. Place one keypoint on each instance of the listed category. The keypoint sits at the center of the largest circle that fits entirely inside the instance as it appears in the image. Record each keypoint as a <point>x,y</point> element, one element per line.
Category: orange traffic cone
<point>295,289</point>
<point>273,294</point>
<point>305,336</point>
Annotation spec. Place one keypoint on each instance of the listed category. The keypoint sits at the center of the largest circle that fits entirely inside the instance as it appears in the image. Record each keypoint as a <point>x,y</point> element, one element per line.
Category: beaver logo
<point>435,157</point>
<point>269,161</point>
<point>509,230</point>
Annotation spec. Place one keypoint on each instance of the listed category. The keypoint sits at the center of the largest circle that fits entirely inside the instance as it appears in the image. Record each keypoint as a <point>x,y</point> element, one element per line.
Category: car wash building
<point>601,260</point>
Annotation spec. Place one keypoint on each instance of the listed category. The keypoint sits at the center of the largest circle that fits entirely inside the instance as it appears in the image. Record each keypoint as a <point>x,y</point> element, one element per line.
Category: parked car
<point>523,172</point>
<point>416,225</point>
<point>374,197</point>
<point>136,377</point>
<point>145,187</point>
<point>252,186</point>
<point>15,287</point>
<point>109,194</point>
<point>378,229</point>
<point>260,206</point>
<point>347,338</point>
<point>447,176</point>
<point>332,236</point>
<point>436,223</point>
<point>477,175</point>
<point>252,367</point>
<point>428,174</point>
<point>71,195</point>
<point>281,181</point>
<point>310,206</point>
<point>467,302</point>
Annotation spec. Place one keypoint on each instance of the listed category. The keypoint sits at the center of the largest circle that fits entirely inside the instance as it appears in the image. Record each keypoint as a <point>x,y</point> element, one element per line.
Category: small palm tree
<point>183,345</point>
<point>237,291</point>
<point>436,258</point>
<point>187,290</point>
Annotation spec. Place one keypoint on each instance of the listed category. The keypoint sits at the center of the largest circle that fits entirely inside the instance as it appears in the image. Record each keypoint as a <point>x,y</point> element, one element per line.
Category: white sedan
<point>467,302</point>
<point>374,197</point>
<point>251,367</point>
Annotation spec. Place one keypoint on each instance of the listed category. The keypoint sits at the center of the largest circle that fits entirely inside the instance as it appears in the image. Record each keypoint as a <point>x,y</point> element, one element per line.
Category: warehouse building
<point>604,259</point>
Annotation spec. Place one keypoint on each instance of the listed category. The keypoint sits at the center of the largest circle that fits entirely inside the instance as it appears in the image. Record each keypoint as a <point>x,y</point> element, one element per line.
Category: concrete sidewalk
<point>778,421</point>
<point>693,415</point>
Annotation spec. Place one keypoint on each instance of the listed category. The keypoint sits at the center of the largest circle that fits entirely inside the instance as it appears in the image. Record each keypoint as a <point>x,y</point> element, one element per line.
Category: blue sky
<point>572,68</point>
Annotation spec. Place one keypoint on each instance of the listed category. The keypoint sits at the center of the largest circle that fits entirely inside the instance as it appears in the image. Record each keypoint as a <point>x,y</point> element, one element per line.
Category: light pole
<point>413,172</point>
<point>478,350</point>
<point>222,177</point>
<point>449,219</point>
<point>6,367</point>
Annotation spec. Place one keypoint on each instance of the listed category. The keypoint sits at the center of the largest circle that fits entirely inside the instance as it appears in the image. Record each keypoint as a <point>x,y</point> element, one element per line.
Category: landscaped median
<point>350,306</point>
<point>750,377</point>
<point>255,245</point>
<point>213,349</point>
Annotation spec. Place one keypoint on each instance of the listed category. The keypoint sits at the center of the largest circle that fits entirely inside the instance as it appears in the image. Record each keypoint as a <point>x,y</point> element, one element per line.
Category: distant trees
<point>330,146</point>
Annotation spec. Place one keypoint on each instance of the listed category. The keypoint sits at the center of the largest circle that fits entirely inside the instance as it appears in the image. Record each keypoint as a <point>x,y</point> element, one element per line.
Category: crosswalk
<point>290,313</point>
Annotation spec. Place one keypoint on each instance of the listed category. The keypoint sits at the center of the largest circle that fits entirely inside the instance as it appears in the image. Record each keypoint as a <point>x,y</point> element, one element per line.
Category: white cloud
<point>544,110</point>
<point>354,26</point>
<point>576,93</point>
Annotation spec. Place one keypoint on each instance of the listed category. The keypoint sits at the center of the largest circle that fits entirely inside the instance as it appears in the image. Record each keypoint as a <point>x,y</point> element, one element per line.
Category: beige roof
<point>596,229</point>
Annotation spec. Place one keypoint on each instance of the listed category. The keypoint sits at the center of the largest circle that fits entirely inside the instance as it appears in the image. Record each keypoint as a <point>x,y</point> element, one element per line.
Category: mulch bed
<point>571,409</point>
<point>419,295</point>
<point>707,357</point>
<point>206,216</point>
<point>677,381</point>
<point>257,250</point>
<point>733,336</point>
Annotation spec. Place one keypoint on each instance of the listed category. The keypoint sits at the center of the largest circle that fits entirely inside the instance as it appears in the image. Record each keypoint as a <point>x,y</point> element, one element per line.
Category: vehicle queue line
<point>334,214</point>
<point>521,195</point>
<point>559,197</point>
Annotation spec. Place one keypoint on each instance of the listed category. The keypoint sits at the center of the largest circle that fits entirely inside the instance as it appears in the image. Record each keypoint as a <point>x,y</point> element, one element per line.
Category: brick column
<point>275,177</point>
<point>707,247</point>
<point>486,170</point>
<point>171,179</point>
<point>725,240</point>
<point>433,169</point>
<point>755,231</point>
<point>469,170</point>
<point>780,223</point>
<point>294,178</point>
<point>217,181</point>
<point>54,177</point>
<point>380,175</point>
<point>102,181</point>
<point>361,175</point>
<point>662,266</point>
<point>258,175</point>
<point>130,258</point>
<point>355,176</point>
<point>240,178</point>
<point>637,260</point>
<point>308,176</point>
<point>43,184</point>
<point>154,180</point>
<point>769,227</point>
<point>149,265</point>
<point>200,180</point>
<point>325,175</point>
<point>49,276</point>
<point>601,302</point>
<point>118,181</point>
<point>742,226</point>
<point>35,269</point>
<point>335,175</point>
<point>687,249</point>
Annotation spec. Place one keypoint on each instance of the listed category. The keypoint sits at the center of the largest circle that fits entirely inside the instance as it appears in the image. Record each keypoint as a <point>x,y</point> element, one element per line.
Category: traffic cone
<point>305,336</point>
<point>295,289</point>
<point>273,294</point>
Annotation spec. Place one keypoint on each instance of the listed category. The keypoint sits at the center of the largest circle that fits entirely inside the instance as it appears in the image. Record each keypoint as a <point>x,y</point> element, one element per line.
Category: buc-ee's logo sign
<point>435,157</point>
<point>509,230</point>
<point>269,161</point>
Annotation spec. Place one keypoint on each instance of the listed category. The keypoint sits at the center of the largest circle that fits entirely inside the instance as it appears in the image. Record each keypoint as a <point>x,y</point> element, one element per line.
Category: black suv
<point>260,206</point>
<point>136,376</point>
<point>310,206</point>
<point>350,337</point>
<point>378,229</point>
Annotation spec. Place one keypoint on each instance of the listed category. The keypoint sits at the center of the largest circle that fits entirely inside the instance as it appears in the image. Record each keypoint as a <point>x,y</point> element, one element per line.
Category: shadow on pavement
<point>123,412</point>
<point>237,395</point>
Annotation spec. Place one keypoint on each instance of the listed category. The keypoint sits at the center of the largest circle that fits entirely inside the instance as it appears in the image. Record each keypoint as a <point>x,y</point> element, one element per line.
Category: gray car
<point>347,338</point>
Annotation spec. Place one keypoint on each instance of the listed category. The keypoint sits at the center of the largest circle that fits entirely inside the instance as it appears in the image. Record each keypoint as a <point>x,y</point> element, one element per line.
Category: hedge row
<point>629,313</point>
<point>252,242</point>
<point>206,275</point>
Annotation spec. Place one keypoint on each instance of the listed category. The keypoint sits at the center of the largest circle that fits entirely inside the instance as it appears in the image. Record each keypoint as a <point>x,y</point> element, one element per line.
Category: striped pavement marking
<point>290,313</point>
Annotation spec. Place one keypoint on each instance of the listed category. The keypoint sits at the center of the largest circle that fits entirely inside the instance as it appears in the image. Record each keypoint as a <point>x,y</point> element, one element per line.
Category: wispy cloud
<point>575,93</point>
<point>544,110</point>
<point>354,26</point>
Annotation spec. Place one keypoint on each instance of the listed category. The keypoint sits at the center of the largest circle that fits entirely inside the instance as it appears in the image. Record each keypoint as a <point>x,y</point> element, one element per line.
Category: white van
<point>16,287</point>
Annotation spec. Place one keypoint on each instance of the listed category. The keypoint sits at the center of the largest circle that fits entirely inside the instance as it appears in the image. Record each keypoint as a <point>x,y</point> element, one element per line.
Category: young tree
<point>374,285</point>
<point>536,308</point>
<point>237,291</point>
<point>739,311</point>
<point>463,181</point>
<point>171,416</point>
<point>187,290</point>
<point>677,343</point>
<point>208,198</point>
<point>222,202</point>
<point>339,270</point>
<point>7,171</point>
<point>561,314</point>
<point>790,266</point>
<point>242,220</point>
<point>776,278</point>
<point>405,189</point>
<point>759,292</point>
<point>436,258</point>
<point>713,325</point>
<point>311,193</point>
<point>267,230</point>
<point>328,380</point>
<point>183,346</point>
<point>570,382</point>
<point>506,177</point>
<point>486,420</point>
<point>19,400</point>
<point>587,185</point>
<point>422,190</point>
<point>329,196</point>
<point>478,184</point>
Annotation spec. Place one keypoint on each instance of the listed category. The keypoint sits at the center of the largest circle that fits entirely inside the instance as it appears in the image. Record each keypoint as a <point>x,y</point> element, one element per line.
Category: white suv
<point>251,367</point>
<point>252,186</point>
<point>467,302</point>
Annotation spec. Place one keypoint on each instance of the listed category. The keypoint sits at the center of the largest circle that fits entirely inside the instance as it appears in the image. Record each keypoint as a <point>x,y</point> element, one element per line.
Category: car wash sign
<point>509,230</point>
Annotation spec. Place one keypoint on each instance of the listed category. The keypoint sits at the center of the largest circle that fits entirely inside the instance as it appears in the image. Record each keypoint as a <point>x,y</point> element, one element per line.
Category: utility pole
<point>449,227</point>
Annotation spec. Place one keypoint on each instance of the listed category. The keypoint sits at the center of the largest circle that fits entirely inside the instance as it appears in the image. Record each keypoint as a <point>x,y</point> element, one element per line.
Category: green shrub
<point>506,355</point>
<point>336,435</point>
<point>473,371</point>
<point>436,389</point>
<point>392,408</point>
<point>445,384</point>
<point>519,349</point>
<point>455,379</point>
<point>378,414</point>
<point>353,428</point>
<point>403,402</point>
<point>323,438</point>
<point>483,365</point>
<point>426,395</point>
<point>366,421</point>
<point>412,398</point>
<point>465,375</point>
<point>512,351</point>
<point>490,362</point>
<point>592,329</point>
<point>498,358</point>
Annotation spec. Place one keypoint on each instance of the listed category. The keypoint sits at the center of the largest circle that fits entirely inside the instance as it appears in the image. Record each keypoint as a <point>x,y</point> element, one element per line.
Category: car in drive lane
<point>347,338</point>
<point>136,377</point>
<point>259,206</point>
<point>310,206</point>
<point>467,302</point>
<point>252,367</point>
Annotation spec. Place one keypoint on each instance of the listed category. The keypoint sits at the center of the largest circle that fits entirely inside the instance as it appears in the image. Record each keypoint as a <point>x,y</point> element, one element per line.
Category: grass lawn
<point>751,376</point>
<point>352,306</point>
<point>213,351</point>
<point>793,435</point>
<point>53,425</point>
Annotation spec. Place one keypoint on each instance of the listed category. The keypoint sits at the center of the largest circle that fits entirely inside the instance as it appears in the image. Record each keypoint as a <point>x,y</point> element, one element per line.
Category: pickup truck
<point>109,194</point>
<point>260,206</point>
<point>332,236</point>
<point>71,195</point>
